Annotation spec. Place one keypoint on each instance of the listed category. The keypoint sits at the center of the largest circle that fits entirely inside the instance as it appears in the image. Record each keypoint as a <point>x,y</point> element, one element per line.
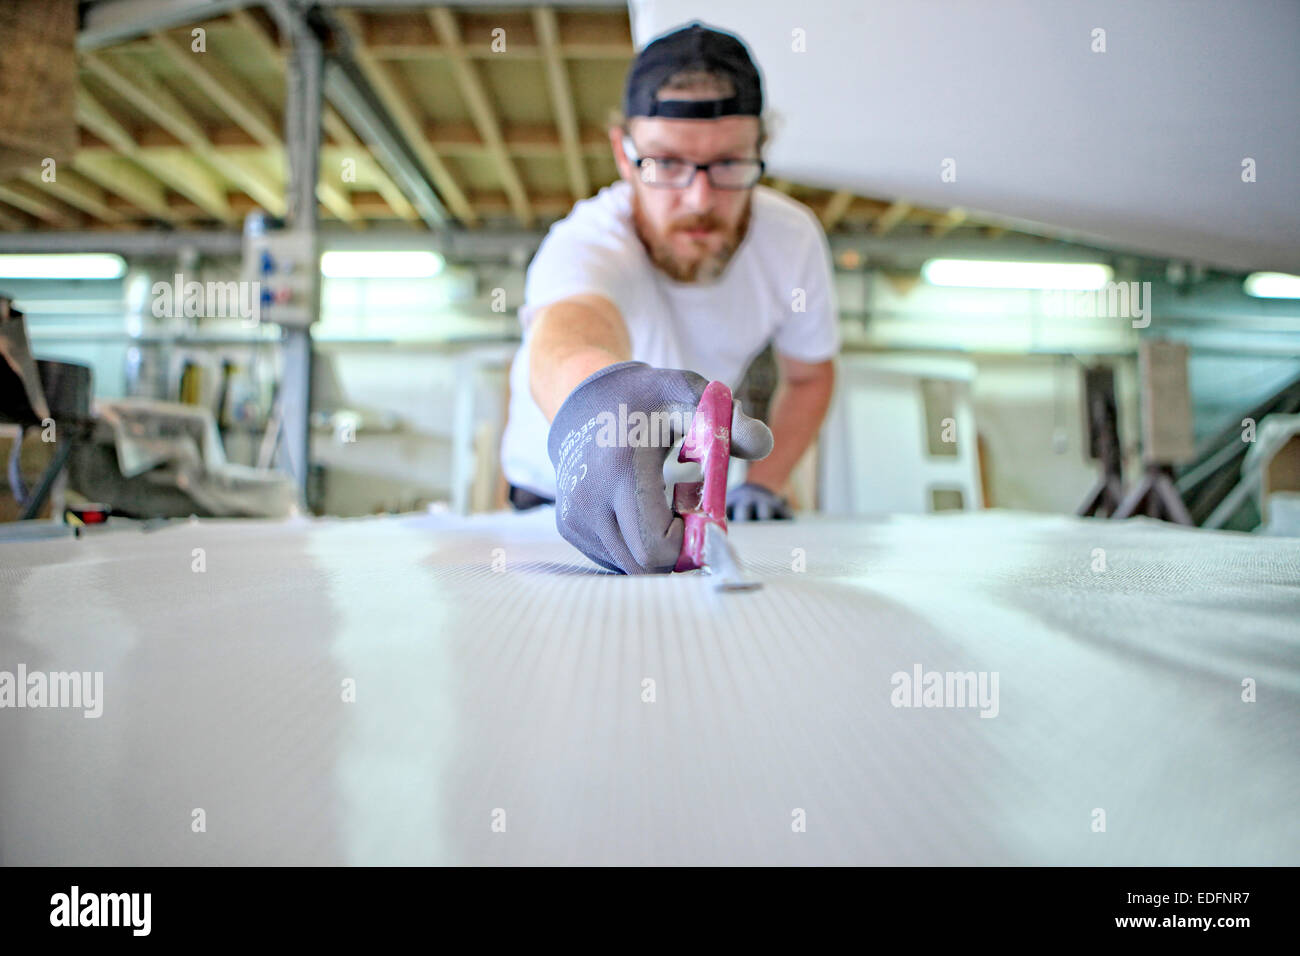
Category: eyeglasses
<point>670,173</point>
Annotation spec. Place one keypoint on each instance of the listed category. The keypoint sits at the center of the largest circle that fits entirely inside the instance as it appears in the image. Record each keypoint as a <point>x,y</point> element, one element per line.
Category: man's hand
<point>608,444</point>
<point>753,502</point>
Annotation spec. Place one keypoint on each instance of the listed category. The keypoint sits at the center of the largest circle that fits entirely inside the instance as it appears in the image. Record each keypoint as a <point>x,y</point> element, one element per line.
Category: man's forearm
<point>795,417</point>
<point>571,341</point>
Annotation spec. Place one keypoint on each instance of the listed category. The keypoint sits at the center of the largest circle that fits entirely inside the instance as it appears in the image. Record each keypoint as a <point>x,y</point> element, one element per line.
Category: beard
<point>698,268</point>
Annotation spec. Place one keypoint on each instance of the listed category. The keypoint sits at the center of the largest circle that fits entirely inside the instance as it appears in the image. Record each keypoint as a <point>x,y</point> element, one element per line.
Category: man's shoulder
<point>608,211</point>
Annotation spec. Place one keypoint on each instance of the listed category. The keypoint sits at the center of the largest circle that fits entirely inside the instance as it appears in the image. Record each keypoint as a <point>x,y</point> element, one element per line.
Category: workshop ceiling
<point>505,108</point>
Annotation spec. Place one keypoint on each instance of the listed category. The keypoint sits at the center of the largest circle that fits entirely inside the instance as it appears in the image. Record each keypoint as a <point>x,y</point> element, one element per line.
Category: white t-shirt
<point>777,288</point>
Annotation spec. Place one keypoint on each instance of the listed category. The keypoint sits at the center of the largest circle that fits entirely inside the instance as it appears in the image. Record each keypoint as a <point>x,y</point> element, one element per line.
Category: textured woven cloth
<point>514,704</point>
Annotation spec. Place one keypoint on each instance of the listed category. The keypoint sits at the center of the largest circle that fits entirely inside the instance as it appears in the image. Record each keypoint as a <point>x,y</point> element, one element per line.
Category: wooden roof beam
<point>121,176</point>
<point>566,116</point>
<point>93,116</point>
<point>891,217</point>
<point>332,197</point>
<point>224,88</point>
<point>835,209</point>
<point>339,131</point>
<point>241,105</point>
<point>75,190</point>
<point>498,204</point>
<point>12,223</point>
<point>264,48</point>
<point>950,220</point>
<point>520,140</point>
<point>481,111</point>
<point>336,201</point>
<point>148,96</point>
<point>188,177</point>
<point>588,34</point>
<point>396,101</point>
<point>24,197</point>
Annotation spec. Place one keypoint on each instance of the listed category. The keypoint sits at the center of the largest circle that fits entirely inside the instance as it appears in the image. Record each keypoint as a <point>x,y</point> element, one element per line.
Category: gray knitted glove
<point>751,502</point>
<point>611,501</point>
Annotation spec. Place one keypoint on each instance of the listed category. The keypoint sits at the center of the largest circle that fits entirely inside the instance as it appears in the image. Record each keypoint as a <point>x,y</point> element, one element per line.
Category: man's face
<point>691,233</point>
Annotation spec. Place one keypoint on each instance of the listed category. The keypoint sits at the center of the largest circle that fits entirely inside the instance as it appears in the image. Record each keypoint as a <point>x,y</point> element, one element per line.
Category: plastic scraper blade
<point>703,504</point>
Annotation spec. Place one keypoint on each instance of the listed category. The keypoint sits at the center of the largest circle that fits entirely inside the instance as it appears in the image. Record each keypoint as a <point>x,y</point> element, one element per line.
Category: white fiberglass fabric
<point>514,705</point>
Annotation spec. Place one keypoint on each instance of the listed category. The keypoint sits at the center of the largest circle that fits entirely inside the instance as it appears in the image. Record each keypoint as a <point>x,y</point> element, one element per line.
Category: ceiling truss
<point>505,110</point>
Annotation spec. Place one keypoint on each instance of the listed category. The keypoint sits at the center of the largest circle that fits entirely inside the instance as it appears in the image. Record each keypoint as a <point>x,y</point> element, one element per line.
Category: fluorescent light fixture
<point>1272,285</point>
<point>87,265</point>
<point>985,274</point>
<point>407,264</point>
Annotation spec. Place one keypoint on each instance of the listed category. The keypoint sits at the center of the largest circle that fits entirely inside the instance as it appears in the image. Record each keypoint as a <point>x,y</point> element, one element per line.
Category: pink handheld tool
<point>703,504</point>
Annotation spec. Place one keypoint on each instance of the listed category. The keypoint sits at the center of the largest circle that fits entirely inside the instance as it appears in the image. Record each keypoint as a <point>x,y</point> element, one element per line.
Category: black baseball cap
<point>693,47</point>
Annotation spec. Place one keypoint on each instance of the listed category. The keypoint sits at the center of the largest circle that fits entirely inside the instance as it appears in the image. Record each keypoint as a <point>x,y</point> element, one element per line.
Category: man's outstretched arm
<point>573,339</point>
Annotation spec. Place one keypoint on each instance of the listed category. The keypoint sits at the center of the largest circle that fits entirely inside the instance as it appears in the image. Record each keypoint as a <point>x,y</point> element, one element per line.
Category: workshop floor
<point>504,713</point>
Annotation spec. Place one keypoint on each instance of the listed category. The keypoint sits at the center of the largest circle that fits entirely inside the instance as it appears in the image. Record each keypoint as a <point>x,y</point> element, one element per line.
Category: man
<point>680,273</point>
